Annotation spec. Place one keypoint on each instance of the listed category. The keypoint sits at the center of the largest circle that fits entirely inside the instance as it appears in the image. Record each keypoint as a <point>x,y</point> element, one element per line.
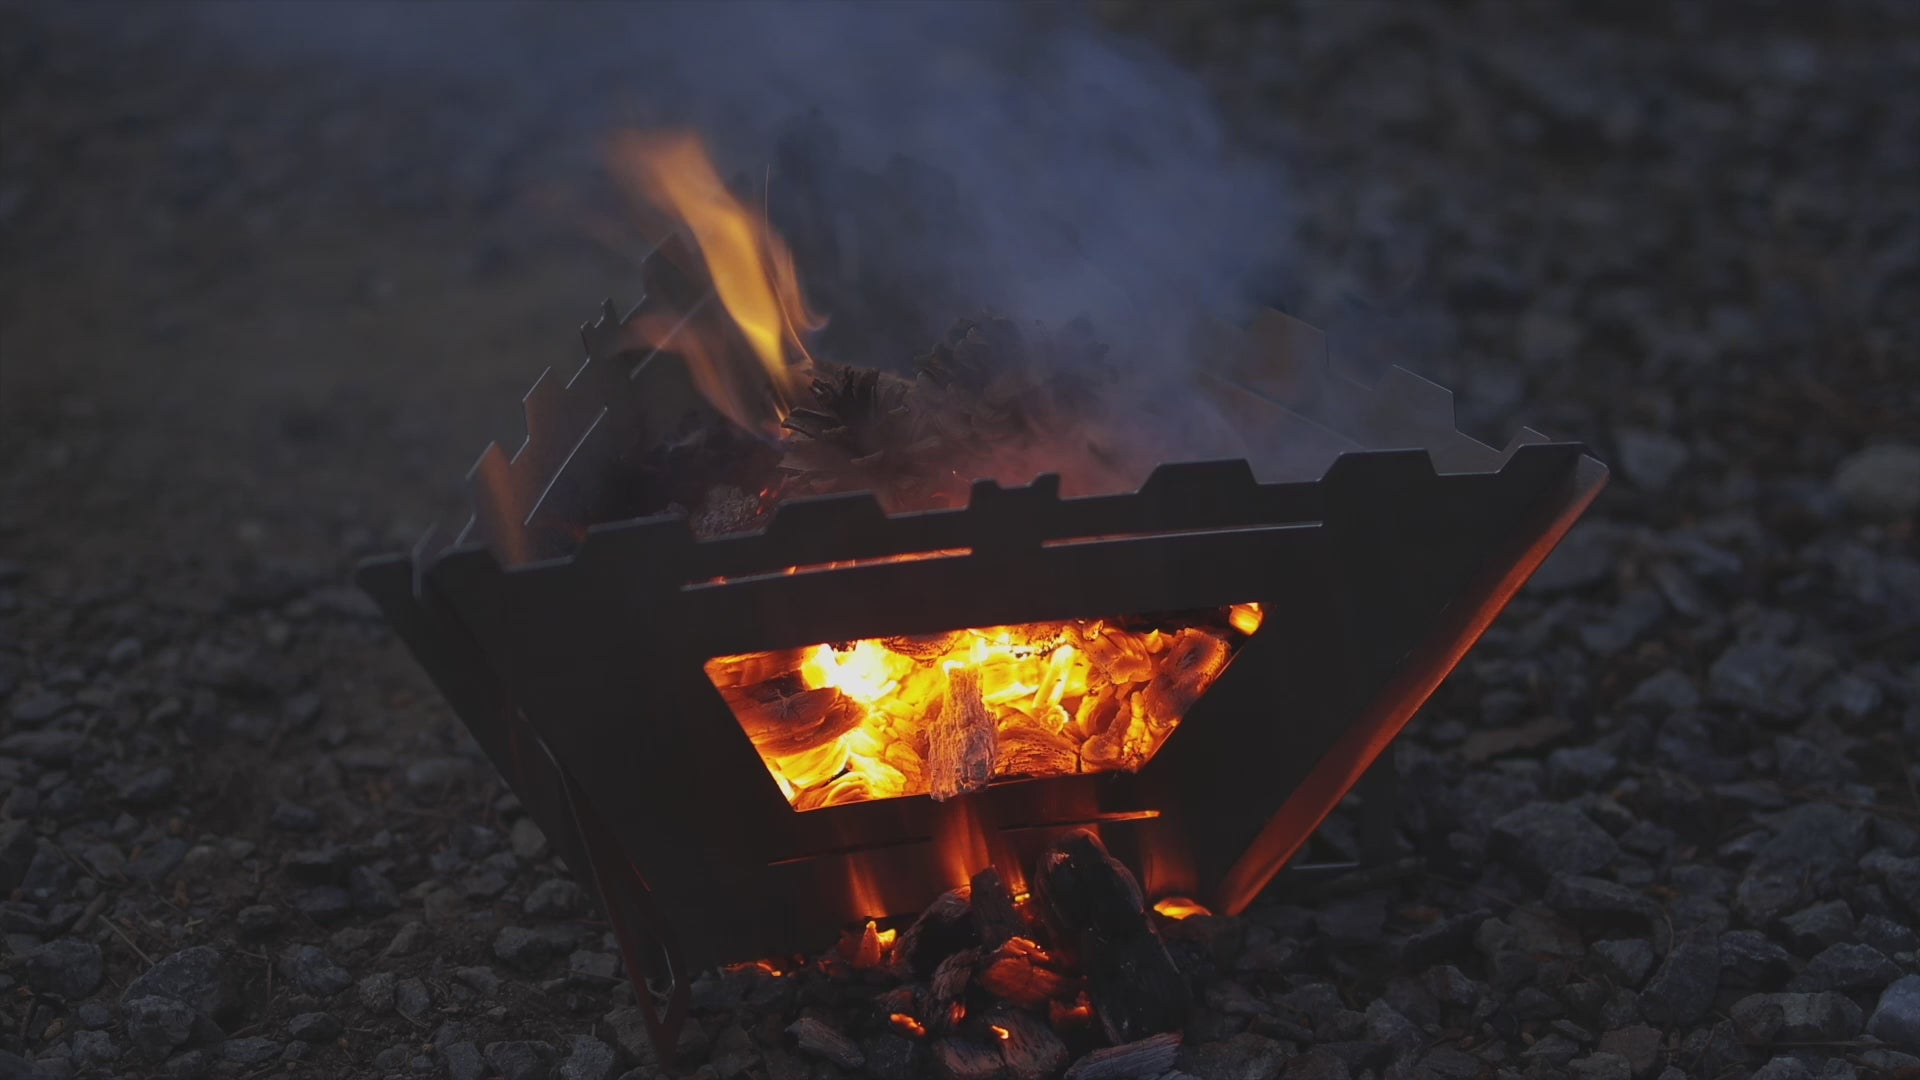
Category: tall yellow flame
<point>752,269</point>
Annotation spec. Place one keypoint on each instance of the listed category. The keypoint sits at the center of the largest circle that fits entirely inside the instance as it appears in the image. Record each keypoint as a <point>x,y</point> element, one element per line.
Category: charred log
<point>994,912</point>
<point>962,1058</point>
<point>817,1037</point>
<point>944,928</point>
<point>1098,919</point>
<point>1137,1060</point>
<point>947,991</point>
<point>1029,1048</point>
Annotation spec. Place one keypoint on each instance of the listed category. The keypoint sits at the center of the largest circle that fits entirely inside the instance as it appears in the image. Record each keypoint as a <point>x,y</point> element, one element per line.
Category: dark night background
<point>272,275</point>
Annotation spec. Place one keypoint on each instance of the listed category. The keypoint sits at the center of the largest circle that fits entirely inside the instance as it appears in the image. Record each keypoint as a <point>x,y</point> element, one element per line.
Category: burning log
<point>1185,671</point>
<point>784,721</point>
<point>1030,750</point>
<point>923,647</point>
<point>1097,918</point>
<point>1138,1060</point>
<point>1018,972</point>
<point>961,740</point>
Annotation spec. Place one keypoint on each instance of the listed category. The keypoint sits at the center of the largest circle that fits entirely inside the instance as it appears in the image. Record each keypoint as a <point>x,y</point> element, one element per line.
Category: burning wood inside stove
<point>947,714</point>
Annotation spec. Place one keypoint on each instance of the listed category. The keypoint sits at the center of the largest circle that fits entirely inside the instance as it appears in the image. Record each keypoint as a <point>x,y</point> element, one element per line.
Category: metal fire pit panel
<point>571,643</point>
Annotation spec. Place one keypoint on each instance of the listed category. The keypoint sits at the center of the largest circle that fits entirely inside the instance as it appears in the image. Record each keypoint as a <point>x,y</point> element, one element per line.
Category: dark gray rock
<point>1758,676</point>
<point>316,866</point>
<point>1624,960</point>
<point>157,1025</point>
<point>1243,1057</point>
<point>588,968</point>
<point>1598,899</point>
<point>1551,1051</point>
<point>1386,1027</point>
<point>68,968</point>
<point>734,1054</point>
<point>1544,840</point>
<point>187,1065</point>
<point>197,977</point>
<point>1445,1063</point>
<point>1881,481</point>
<point>482,980</point>
<point>158,860</point>
<point>250,1051</point>
<point>1639,1044</point>
<point>1796,1018</point>
<point>315,1027</point>
<point>1650,458</point>
<point>1312,1065</point>
<point>1814,928</point>
<point>1749,958</point>
<point>463,1061</point>
<point>324,903</point>
<point>587,1059</point>
<point>1577,770</point>
<point>1600,1066</point>
<point>94,1048</point>
<point>258,919</point>
<point>294,818</point>
<point>527,841</point>
<point>49,747</point>
<point>371,892</point>
<point>1783,1068</point>
<point>34,709</point>
<point>312,971</point>
<point>1901,875</point>
<point>1846,966</point>
<point>1584,559</point>
<point>1811,847</point>
<point>521,1059</point>
<point>1666,691</point>
<point>555,898</point>
<point>411,1000</point>
<point>150,787</point>
<point>1896,1018</point>
<point>1888,936</point>
<point>530,950</point>
<point>17,848</point>
<point>1682,991</point>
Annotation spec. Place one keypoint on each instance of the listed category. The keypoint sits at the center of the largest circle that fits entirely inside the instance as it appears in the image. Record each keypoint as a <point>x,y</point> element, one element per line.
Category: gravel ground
<point>259,307</point>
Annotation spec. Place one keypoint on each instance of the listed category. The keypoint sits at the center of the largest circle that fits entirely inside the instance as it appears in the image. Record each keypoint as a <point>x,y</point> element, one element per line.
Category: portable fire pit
<point>748,741</point>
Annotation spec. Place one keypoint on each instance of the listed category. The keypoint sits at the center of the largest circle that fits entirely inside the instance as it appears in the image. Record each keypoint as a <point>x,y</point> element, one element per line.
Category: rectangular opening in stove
<point>944,714</point>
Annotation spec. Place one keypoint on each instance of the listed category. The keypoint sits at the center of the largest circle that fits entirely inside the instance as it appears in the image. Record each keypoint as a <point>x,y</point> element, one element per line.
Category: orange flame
<point>907,1025</point>
<point>752,269</point>
<point>1000,1031</point>
<point>1179,907</point>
